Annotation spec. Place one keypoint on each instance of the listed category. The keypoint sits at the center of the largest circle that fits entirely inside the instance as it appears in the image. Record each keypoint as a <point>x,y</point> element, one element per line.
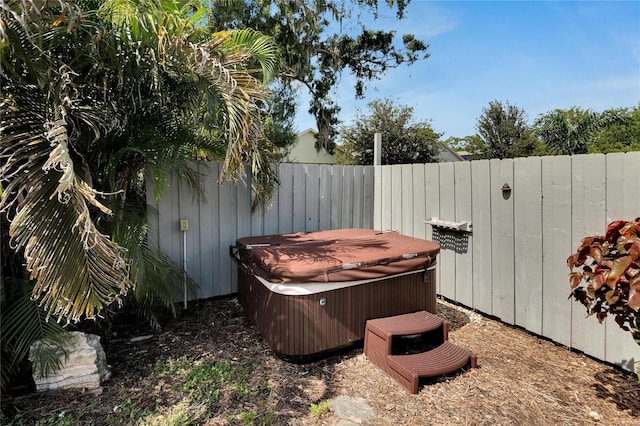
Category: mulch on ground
<point>521,379</point>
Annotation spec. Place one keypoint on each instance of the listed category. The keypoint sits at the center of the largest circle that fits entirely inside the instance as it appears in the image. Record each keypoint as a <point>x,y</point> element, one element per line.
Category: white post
<point>184,227</point>
<point>377,149</point>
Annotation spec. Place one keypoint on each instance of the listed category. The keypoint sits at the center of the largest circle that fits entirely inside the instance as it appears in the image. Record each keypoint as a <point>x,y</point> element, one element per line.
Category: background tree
<point>619,137</point>
<point>504,132</point>
<point>279,126</point>
<point>404,141</point>
<point>571,131</point>
<point>314,57</point>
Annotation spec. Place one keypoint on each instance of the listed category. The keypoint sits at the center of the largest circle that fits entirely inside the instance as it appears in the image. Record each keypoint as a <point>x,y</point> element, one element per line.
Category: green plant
<point>251,418</point>
<point>320,409</point>
<point>605,275</point>
<point>54,419</point>
<point>23,323</point>
<point>182,413</point>
<point>96,97</point>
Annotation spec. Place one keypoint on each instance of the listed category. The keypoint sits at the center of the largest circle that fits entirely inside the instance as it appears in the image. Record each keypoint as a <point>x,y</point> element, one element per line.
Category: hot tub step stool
<point>408,369</point>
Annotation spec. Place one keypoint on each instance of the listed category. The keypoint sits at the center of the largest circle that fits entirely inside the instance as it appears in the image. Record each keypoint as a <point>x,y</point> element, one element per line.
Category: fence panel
<point>502,259</point>
<point>556,235</point>
<point>516,268</point>
<point>527,204</point>
<point>406,202</point>
<point>419,200</point>
<point>285,199</point>
<point>463,241</point>
<point>623,203</point>
<point>481,248</point>
<point>367,214</point>
<point>396,198</point>
<point>447,264</point>
<point>588,196</point>
<point>347,197</point>
<point>512,265</point>
<point>325,196</point>
<point>312,198</point>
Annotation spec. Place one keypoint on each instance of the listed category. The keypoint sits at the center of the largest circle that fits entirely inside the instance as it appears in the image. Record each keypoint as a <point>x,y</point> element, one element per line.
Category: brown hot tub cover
<point>335,256</point>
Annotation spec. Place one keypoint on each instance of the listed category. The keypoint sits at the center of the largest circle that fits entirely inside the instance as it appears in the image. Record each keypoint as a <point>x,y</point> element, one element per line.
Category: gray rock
<point>351,409</point>
<point>85,368</point>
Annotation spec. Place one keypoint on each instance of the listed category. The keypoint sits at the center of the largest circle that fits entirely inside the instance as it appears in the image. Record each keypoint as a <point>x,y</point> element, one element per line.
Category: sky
<point>538,55</point>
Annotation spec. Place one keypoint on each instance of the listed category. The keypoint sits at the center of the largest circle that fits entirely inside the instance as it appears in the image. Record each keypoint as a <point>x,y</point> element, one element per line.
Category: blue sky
<point>538,55</point>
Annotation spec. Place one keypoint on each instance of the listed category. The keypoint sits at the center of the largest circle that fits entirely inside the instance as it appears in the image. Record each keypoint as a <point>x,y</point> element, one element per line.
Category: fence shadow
<point>455,317</point>
<point>621,388</point>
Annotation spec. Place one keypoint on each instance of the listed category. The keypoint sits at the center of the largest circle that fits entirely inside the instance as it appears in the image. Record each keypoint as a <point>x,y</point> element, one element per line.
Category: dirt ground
<point>521,380</point>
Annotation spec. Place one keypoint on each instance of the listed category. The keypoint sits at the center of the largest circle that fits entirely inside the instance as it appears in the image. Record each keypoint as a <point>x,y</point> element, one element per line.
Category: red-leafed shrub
<point>605,275</point>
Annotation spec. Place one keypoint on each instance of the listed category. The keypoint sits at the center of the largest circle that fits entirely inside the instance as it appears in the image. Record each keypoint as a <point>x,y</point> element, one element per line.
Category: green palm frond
<point>93,100</point>
<point>24,323</point>
<point>76,269</point>
<point>258,47</point>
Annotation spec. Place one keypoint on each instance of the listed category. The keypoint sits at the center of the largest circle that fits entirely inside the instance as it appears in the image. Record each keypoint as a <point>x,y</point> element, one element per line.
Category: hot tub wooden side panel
<point>299,325</point>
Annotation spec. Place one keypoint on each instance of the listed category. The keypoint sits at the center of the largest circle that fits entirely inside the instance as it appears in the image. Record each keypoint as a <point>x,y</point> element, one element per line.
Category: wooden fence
<point>512,265</point>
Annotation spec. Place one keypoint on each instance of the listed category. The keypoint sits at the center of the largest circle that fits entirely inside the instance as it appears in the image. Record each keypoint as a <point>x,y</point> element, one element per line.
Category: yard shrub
<point>605,275</point>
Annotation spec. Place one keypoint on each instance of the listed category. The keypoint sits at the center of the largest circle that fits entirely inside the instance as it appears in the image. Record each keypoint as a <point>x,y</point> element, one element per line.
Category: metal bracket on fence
<point>454,226</point>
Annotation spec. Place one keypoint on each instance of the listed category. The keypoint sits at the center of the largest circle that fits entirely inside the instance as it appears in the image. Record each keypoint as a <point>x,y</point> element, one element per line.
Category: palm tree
<point>568,132</point>
<point>93,99</point>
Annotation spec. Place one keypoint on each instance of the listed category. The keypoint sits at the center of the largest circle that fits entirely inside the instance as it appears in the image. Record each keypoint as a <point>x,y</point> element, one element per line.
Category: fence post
<point>377,149</point>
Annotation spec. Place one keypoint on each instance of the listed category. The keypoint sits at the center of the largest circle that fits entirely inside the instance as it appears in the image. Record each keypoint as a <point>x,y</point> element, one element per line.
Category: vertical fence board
<point>258,218</point>
<point>463,241</point>
<point>527,204</point>
<point>187,246</point>
<point>378,190</point>
<point>419,201</point>
<point>347,196</point>
<point>358,196</point>
<point>369,212</point>
<point>432,208</point>
<point>481,222</point>
<point>447,212</point>
<point>285,199</point>
<point>385,197</point>
<point>325,196</point>
<point>502,267</point>
<point>588,195</point>
<point>270,211</point>
<point>396,197</point>
<point>556,235</point>
<point>227,236</point>
<point>172,227</point>
<point>270,217</point>
<point>623,203</point>
<point>193,235</point>
<point>166,225</point>
<point>208,249</point>
<point>299,195</point>
<point>312,192</point>
<point>215,221</point>
<point>406,203</point>
<point>336,197</point>
<point>244,225</point>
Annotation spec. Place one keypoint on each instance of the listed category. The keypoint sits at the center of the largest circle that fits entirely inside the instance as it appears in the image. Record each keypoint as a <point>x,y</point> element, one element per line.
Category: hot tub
<point>312,293</point>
